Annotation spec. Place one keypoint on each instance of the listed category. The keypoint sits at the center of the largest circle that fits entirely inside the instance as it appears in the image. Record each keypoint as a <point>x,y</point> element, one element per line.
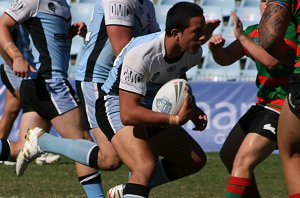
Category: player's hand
<point>21,67</point>
<point>238,26</point>
<point>199,119</point>
<point>210,26</point>
<point>186,110</point>
<point>77,28</point>
<point>216,41</point>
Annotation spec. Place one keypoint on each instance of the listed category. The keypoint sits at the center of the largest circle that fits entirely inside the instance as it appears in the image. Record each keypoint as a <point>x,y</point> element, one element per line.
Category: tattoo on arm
<point>273,25</point>
<point>12,51</point>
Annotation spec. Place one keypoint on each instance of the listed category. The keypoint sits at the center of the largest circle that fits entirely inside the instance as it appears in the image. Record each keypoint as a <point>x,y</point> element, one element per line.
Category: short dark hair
<point>180,14</point>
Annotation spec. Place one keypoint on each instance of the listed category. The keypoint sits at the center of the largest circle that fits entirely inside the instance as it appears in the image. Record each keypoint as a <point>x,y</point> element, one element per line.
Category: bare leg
<point>254,149</point>
<point>29,120</point>
<point>69,126</point>
<point>134,150</point>
<point>288,142</point>
<point>108,158</point>
<point>10,113</point>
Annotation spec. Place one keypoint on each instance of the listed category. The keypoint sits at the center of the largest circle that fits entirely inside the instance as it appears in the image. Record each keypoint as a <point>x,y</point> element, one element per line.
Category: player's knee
<point>109,163</point>
<point>243,163</point>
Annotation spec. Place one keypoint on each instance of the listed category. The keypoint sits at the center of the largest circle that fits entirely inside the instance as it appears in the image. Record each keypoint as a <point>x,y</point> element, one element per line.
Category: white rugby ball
<point>170,96</point>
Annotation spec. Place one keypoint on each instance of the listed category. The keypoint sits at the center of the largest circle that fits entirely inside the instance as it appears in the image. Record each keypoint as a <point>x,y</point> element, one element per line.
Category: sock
<point>237,187</point>
<point>4,150</point>
<point>295,196</point>
<point>164,172</point>
<point>82,151</point>
<point>132,190</point>
<point>252,191</point>
<point>92,185</point>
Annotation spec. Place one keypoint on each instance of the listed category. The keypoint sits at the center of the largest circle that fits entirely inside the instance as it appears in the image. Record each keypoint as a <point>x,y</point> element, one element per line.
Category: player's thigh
<point>108,156</point>
<point>254,149</point>
<point>134,150</point>
<point>54,100</point>
<point>289,121</point>
<point>176,144</point>
<point>288,132</point>
<point>104,144</point>
<point>257,119</point>
<point>12,103</point>
<point>69,124</point>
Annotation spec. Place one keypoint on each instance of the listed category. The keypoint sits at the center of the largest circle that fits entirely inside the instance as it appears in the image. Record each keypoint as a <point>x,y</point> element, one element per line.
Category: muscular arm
<point>272,29</point>
<point>21,66</point>
<point>119,36</point>
<point>6,40</point>
<point>258,53</point>
<point>132,113</point>
<point>5,57</point>
<point>225,56</point>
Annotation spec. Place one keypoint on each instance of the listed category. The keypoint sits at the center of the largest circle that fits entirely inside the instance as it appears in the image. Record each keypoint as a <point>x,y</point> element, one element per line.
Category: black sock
<point>90,178</point>
<point>93,158</point>
<point>5,150</point>
<point>136,189</point>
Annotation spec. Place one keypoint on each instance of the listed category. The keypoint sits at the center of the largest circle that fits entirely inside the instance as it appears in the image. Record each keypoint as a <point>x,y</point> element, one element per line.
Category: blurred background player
<point>12,105</point>
<point>47,96</point>
<point>272,27</point>
<point>253,138</point>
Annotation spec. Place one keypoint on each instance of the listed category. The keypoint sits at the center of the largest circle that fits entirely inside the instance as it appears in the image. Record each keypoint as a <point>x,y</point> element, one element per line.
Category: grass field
<point>59,180</point>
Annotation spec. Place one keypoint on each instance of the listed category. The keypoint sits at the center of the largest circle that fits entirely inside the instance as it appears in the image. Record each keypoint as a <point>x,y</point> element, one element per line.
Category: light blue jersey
<point>97,58</point>
<point>48,22</point>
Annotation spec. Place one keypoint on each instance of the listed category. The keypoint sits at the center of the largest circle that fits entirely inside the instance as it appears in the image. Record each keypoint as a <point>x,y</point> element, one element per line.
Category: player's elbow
<point>266,45</point>
<point>127,119</point>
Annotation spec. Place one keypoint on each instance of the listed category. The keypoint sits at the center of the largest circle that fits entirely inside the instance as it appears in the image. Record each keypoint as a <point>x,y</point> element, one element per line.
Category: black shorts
<point>260,120</point>
<point>49,98</point>
<point>293,97</point>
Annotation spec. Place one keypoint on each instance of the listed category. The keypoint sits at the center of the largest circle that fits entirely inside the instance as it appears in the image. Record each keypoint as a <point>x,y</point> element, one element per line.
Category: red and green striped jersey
<point>272,84</point>
<point>293,6</point>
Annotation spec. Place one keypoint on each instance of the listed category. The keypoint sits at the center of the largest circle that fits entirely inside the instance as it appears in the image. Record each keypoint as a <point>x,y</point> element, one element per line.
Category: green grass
<point>59,180</point>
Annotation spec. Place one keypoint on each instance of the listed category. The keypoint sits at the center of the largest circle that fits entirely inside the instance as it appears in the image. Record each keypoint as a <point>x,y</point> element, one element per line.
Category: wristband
<point>173,120</point>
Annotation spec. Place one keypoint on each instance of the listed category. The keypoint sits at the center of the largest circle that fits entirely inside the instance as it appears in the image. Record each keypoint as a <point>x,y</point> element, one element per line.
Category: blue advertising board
<point>223,102</point>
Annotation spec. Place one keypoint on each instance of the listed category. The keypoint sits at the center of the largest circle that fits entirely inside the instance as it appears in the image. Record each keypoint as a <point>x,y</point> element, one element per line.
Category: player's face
<point>190,39</point>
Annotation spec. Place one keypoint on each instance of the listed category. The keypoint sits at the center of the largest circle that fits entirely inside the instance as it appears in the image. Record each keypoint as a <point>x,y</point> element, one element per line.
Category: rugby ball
<point>170,96</point>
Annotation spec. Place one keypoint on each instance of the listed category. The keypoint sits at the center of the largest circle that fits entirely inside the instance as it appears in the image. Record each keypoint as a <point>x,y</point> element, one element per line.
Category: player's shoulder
<point>147,45</point>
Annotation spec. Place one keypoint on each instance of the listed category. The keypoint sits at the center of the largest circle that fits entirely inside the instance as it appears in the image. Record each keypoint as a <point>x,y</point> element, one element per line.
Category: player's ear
<point>176,34</point>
